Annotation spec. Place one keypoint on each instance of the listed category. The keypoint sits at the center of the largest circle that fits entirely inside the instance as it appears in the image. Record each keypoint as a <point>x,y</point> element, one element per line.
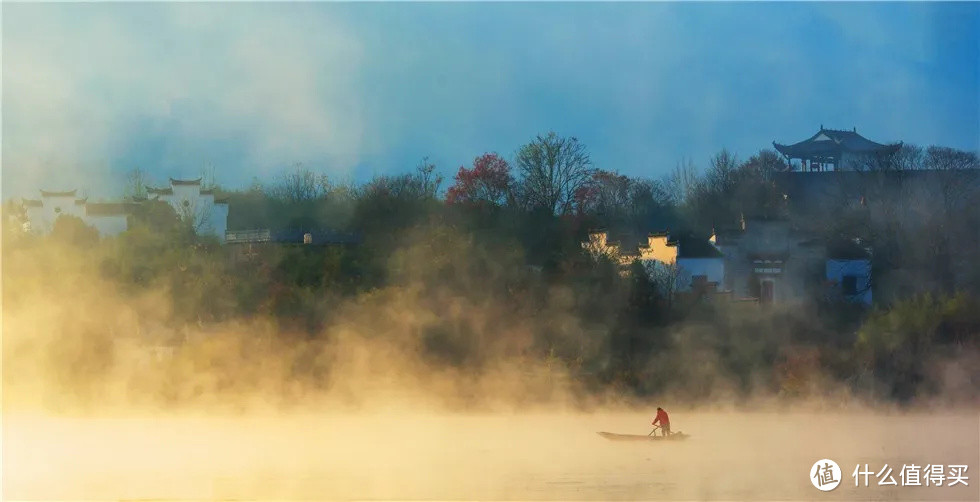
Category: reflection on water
<point>538,457</point>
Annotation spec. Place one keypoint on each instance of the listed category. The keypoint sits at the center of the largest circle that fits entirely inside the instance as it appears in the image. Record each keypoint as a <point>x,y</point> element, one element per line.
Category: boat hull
<point>636,437</point>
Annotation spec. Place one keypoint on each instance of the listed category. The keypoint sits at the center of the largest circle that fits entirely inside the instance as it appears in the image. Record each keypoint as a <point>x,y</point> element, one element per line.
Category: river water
<point>486,457</point>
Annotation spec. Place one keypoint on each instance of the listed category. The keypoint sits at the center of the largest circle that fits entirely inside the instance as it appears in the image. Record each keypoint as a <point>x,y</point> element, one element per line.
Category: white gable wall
<point>209,217</point>
<point>42,217</point>
<point>56,206</point>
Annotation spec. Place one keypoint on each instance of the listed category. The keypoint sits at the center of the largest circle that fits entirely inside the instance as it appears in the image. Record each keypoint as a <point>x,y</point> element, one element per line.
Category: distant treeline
<point>505,236</point>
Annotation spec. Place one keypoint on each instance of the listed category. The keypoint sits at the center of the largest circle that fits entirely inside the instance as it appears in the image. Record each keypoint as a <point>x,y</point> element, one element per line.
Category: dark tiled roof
<point>185,182</point>
<point>692,246</point>
<point>846,249</point>
<point>69,193</point>
<point>108,208</point>
<point>830,143</point>
<point>159,191</point>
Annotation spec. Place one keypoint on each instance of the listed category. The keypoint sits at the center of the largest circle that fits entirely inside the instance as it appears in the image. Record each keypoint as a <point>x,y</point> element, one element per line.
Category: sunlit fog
<point>494,251</point>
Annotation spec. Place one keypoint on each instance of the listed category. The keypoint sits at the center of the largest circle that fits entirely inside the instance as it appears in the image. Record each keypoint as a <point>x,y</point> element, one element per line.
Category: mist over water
<point>520,456</point>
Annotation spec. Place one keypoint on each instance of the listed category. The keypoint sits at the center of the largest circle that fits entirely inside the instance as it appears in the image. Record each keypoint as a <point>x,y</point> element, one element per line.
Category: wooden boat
<point>637,437</point>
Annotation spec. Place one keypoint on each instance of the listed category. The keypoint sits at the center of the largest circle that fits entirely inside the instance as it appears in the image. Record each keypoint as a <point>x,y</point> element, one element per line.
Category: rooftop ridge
<point>175,181</point>
<point>822,128</point>
<point>55,193</point>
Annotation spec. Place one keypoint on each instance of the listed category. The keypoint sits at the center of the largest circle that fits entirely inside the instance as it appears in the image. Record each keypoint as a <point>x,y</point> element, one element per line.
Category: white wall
<point>713,268</point>
<point>186,192</point>
<point>42,218</point>
<point>837,269</point>
<point>210,218</point>
<point>35,215</point>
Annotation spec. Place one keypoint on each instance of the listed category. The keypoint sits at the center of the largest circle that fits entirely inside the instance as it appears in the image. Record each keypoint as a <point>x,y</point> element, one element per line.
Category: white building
<point>191,203</point>
<point>698,262</point>
<point>209,216</point>
<point>690,261</point>
<point>107,218</point>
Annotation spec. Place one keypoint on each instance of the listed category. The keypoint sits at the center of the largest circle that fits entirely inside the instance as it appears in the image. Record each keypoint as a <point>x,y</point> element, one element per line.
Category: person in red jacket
<point>664,421</point>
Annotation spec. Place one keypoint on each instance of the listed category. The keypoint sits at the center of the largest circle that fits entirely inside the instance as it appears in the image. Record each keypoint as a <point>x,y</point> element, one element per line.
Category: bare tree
<point>299,184</point>
<point>682,182</point>
<point>712,201</point>
<point>956,172</point>
<point>426,178</point>
<point>208,177</point>
<point>723,172</point>
<point>553,170</point>
<point>136,181</point>
<point>908,158</point>
<point>423,184</point>
<point>943,158</point>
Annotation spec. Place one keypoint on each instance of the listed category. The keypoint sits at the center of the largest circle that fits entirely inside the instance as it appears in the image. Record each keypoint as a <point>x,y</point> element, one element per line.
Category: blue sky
<point>357,89</point>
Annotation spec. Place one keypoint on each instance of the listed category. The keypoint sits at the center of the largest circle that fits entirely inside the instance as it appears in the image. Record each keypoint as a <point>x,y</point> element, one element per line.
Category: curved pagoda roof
<point>50,193</point>
<point>830,143</point>
<point>174,181</point>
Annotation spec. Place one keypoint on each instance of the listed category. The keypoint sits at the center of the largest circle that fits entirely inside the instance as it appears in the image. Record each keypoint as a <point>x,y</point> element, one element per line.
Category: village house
<point>109,218</point>
<point>764,260</point>
<point>697,263</point>
<point>190,202</point>
<point>598,246</point>
<point>692,263</point>
<point>769,260</point>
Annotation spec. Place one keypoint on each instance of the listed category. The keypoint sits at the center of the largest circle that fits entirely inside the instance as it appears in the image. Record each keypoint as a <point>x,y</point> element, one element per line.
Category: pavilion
<point>833,150</point>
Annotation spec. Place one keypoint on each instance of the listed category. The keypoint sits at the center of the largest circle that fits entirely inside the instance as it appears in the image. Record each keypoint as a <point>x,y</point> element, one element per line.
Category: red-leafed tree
<point>613,200</point>
<point>487,183</point>
<point>605,192</point>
